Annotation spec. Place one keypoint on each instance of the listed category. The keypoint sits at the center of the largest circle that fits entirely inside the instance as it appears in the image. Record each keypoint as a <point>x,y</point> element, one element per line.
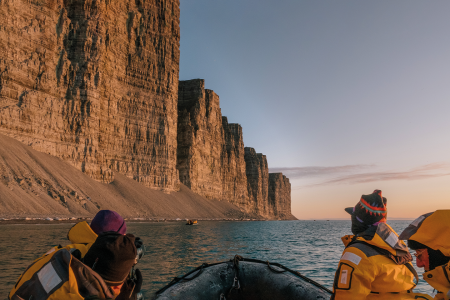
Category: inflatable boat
<point>242,278</point>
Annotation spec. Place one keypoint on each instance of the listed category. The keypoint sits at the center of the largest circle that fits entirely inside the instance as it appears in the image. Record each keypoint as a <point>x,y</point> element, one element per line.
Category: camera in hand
<point>140,250</point>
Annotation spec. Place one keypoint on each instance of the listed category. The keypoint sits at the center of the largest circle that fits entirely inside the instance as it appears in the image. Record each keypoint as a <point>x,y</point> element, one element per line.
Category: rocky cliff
<point>94,83</point>
<point>233,165</point>
<point>257,172</point>
<point>279,195</point>
<point>213,162</point>
<point>210,151</point>
<point>35,184</point>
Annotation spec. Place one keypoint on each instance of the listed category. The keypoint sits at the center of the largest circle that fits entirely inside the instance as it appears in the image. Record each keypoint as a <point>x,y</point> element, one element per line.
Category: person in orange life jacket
<point>111,221</point>
<point>110,257</point>
<point>375,263</point>
<point>429,236</point>
<point>101,274</point>
<point>82,235</point>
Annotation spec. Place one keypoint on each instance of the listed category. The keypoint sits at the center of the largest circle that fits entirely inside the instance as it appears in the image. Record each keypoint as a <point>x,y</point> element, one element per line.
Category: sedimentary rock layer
<point>35,184</point>
<point>233,165</point>
<point>200,139</point>
<point>279,195</point>
<point>210,151</point>
<point>213,162</point>
<point>94,83</point>
<point>258,182</point>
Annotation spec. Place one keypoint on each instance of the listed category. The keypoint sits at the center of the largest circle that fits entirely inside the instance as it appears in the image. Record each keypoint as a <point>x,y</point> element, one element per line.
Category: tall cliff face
<point>95,83</point>
<point>213,162</point>
<point>258,182</point>
<point>279,195</point>
<point>210,151</point>
<point>233,165</point>
<point>200,139</point>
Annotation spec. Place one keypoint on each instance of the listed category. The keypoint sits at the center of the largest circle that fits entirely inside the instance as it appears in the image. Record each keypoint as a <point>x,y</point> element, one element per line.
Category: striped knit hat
<point>371,209</point>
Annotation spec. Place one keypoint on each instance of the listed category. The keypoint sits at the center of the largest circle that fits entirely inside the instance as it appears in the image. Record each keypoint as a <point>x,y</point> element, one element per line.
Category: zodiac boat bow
<point>242,278</point>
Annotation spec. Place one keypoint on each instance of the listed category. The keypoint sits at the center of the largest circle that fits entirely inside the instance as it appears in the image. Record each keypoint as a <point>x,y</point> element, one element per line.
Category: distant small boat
<point>191,222</point>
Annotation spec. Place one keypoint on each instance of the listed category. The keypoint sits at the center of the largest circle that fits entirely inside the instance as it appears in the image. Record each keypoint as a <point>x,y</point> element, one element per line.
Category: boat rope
<point>236,285</point>
<point>273,270</point>
<point>185,277</point>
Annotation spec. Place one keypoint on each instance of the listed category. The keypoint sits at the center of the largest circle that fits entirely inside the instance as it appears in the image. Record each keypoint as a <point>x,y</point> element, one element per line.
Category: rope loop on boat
<point>273,270</point>
<point>185,278</point>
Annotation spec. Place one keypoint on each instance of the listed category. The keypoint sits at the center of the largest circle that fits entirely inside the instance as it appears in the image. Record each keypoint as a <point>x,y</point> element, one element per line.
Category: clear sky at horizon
<point>341,96</point>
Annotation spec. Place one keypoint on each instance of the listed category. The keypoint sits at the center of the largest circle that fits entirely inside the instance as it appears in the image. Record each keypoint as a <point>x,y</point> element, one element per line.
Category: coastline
<point>39,221</point>
<point>38,186</point>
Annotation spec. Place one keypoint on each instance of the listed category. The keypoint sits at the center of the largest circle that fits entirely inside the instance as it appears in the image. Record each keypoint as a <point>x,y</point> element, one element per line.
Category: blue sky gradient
<point>326,85</point>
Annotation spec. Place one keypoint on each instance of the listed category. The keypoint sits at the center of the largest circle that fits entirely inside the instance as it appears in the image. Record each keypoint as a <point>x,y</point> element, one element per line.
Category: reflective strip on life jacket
<point>58,276</point>
<point>46,277</point>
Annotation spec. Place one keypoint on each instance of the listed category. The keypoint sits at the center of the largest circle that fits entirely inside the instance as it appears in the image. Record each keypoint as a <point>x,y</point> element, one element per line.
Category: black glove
<point>138,282</point>
<point>138,242</point>
<point>140,248</point>
<point>132,287</point>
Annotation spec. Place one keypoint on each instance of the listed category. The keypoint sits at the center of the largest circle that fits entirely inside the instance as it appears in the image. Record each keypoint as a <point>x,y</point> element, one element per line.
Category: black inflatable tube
<point>240,279</point>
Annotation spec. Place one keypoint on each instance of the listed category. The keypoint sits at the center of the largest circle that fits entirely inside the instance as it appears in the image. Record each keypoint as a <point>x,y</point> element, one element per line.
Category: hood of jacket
<point>439,278</point>
<point>81,233</point>
<point>432,230</point>
<point>89,282</point>
<point>381,236</point>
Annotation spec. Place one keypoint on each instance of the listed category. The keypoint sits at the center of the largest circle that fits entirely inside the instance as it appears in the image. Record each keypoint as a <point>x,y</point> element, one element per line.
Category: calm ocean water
<point>311,247</point>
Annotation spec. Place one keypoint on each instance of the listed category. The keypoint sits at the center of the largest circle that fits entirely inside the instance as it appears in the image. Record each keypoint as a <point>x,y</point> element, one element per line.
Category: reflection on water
<point>311,247</point>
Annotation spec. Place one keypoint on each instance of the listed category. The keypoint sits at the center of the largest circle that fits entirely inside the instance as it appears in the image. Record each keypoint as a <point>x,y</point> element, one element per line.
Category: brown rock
<point>280,195</point>
<point>233,165</point>
<point>200,139</point>
<point>213,162</point>
<point>210,151</point>
<point>94,83</point>
<point>124,195</point>
<point>258,182</point>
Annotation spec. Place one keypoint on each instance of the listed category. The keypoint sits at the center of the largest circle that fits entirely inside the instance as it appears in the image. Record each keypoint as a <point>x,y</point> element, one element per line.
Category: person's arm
<point>354,276</point>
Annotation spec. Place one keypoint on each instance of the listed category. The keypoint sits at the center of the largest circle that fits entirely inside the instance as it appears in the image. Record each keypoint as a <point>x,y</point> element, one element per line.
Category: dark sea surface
<point>311,247</point>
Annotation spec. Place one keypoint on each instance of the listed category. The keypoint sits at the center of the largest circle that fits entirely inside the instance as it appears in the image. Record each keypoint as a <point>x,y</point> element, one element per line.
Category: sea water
<point>311,247</point>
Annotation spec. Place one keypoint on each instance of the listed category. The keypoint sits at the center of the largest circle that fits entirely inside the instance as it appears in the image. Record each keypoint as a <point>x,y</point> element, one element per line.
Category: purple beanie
<point>108,220</point>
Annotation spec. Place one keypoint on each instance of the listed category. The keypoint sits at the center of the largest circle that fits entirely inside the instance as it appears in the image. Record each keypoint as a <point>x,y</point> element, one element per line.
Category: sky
<point>343,97</point>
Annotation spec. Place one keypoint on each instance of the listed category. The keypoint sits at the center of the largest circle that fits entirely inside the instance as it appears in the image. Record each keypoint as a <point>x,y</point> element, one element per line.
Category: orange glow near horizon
<point>406,199</point>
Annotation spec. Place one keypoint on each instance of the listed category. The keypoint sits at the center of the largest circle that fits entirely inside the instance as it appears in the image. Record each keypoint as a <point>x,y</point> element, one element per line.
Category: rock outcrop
<point>258,182</point>
<point>210,151</point>
<point>233,165</point>
<point>94,83</point>
<point>279,196</point>
<point>35,184</point>
<point>213,162</point>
